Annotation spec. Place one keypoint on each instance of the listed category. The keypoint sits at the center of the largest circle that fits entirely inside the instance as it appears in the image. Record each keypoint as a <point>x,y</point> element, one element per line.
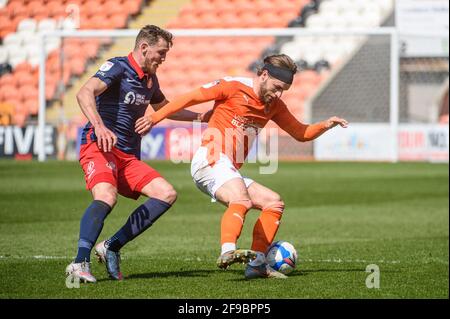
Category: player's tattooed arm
<point>106,139</point>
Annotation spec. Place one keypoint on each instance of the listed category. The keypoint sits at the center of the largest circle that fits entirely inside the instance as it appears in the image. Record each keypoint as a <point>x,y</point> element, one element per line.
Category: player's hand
<point>143,125</point>
<point>333,121</point>
<point>106,139</point>
<point>204,117</point>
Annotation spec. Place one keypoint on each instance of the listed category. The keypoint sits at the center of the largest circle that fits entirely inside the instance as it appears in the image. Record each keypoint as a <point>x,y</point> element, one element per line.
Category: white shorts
<point>208,179</point>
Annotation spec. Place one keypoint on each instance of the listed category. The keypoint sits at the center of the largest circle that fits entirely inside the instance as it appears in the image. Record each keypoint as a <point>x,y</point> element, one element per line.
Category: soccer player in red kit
<point>242,106</point>
<point>112,100</point>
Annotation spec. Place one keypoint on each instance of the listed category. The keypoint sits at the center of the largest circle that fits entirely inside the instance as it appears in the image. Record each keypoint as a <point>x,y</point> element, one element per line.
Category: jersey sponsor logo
<point>130,98</point>
<point>244,123</point>
<point>106,66</point>
<point>210,84</point>
<point>135,98</point>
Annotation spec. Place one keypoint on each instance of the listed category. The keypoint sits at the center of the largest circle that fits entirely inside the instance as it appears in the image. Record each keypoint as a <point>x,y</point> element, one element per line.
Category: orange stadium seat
<point>211,20</point>
<point>7,79</point>
<point>32,106</point>
<point>10,92</point>
<point>72,49</point>
<point>98,22</point>
<point>20,87</point>
<point>16,8</point>
<point>50,90</point>
<point>305,91</point>
<point>230,20</point>
<point>77,65</point>
<point>115,9</point>
<point>19,118</point>
<point>203,6</point>
<point>90,48</point>
<point>250,20</point>
<point>24,78</point>
<point>134,6</point>
<point>56,9</point>
<point>308,77</point>
<point>188,8</point>
<point>25,66</point>
<point>4,13</point>
<point>28,91</point>
<point>118,20</point>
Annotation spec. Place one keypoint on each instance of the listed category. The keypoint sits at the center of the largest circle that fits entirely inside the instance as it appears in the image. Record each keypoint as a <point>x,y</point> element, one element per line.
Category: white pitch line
<point>198,259</point>
<point>35,257</point>
<point>340,261</point>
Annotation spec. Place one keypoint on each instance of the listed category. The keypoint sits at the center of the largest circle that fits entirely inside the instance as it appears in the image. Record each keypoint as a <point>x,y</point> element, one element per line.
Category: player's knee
<point>109,197</point>
<point>106,193</point>
<point>247,203</point>
<point>168,194</point>
<point>274,203</point>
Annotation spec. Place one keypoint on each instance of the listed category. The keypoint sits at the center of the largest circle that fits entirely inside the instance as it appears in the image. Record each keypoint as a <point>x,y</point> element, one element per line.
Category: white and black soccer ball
<point>282,257</point>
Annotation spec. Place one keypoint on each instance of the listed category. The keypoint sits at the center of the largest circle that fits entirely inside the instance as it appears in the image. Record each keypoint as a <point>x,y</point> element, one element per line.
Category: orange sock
<point>232,223</point>
<point>265,229</point>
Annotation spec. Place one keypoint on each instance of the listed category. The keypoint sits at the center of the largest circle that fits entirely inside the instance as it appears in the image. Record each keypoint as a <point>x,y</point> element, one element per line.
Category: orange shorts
<point>124,171</point>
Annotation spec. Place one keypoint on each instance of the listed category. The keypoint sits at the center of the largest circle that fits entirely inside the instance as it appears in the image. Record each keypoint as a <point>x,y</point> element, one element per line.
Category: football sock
<point>232,223</point>
<point>142,218</point>
<point>226,247</point>
<point>90,228</point>
<point>265,229</point>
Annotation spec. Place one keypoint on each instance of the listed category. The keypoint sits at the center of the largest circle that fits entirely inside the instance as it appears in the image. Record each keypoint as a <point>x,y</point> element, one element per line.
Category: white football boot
<point>258,268</point>
<point>82,271</point>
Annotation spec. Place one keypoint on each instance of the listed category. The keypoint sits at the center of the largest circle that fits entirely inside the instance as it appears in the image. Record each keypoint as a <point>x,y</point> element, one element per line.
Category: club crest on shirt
<point>106,66</point>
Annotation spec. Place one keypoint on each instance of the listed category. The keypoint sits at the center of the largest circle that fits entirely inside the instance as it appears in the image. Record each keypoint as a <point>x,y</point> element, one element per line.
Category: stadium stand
<point>318,57</point>
<point>20,20</point>
<point>19,23</point>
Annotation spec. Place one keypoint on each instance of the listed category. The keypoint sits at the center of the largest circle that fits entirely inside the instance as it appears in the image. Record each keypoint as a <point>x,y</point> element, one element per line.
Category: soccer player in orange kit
<point>242,106</point>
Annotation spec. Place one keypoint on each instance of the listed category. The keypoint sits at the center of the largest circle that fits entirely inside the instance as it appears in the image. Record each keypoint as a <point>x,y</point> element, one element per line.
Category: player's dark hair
<point>279,60</point>
<point>152,34</point>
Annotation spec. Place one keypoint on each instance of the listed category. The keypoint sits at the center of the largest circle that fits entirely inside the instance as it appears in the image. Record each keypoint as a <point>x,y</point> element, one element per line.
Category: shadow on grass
<point>180,273</point>
<point>308,272</point>
<point>209,273</point>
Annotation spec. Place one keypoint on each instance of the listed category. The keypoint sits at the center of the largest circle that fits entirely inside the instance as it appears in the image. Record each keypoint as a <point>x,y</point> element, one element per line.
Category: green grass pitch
<point>341,217</point>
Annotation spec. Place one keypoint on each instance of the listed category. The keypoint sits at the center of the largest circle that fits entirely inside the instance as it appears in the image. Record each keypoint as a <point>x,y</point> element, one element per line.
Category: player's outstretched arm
<point>86,100</point>
<point>184,115</point>
<point>306,132</point>
<point>145,123</point>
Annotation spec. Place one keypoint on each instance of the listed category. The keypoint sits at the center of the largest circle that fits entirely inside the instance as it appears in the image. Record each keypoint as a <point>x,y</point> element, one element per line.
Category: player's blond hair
<point>280,60</point>
<point>152,34</point>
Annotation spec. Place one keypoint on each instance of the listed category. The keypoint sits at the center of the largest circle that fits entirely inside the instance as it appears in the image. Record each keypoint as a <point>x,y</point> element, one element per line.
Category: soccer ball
<point>282,257</point>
